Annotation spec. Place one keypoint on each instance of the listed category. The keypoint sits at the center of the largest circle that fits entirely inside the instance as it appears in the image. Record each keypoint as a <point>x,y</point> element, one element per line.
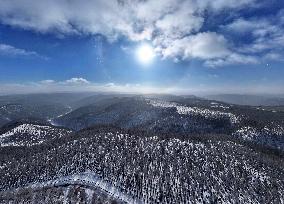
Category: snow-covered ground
<point>268,136</point>
<point>52,122</point>
<point>87,179</point>
<point>186,110</point>
<point>10,108</point>
<point>30,134</point>
<point>217,105</point>
<point>152,170</point>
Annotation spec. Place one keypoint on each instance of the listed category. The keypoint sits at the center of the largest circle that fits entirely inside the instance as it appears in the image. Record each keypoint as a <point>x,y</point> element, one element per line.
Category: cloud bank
<point>9,50</point>
<point>79,84</point>
<point>178,29</point>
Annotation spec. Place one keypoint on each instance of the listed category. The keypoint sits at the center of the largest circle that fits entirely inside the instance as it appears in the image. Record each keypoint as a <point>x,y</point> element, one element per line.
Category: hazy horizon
<point>68,87</point>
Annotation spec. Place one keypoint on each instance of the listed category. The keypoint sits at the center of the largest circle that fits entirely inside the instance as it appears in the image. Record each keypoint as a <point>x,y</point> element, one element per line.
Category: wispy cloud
<point>10,50</point>
<point>77,81</point>
<point>265,34</point>
<point>76,84</point>
<point>47,81</point>
<point>176,27</point>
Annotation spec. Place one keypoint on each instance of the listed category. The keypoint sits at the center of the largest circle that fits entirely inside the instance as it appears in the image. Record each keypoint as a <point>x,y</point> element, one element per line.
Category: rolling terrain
<point>30,134</point>
<point>253,100</point>
<point>144,149</point>
<point>36,106</point>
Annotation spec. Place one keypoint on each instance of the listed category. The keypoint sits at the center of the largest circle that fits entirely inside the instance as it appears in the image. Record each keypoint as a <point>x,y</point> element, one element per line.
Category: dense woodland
<point>150,169</point>
<point>146,150</point>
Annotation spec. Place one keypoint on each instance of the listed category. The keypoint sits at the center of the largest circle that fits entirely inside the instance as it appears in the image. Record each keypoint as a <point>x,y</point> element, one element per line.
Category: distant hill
<point>252,100</point>
<point>29,133</point>
<point>41,106</point>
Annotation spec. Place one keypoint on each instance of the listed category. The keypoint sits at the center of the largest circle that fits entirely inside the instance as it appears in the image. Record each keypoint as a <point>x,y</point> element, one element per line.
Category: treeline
<point>152,169</point>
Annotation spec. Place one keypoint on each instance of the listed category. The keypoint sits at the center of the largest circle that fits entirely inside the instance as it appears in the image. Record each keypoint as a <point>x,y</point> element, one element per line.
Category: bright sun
<point>145,53</point>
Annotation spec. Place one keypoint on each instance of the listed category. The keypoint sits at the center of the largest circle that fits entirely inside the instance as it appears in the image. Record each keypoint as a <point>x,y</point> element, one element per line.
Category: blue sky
<point>199,46</point>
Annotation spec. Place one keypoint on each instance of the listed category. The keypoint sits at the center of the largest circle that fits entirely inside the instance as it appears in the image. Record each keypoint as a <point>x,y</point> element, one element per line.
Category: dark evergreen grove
<point>150,169</point>
<point>137,150</point>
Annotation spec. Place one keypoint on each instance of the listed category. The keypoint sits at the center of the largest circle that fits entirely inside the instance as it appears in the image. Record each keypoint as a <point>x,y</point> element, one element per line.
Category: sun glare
<point>145,53</point>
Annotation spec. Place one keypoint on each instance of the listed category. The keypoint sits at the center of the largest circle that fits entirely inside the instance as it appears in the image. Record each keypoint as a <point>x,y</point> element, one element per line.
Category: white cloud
<point>233,58</point>
<point>61,86</point>
<point>273,56</point>
<point>76,81</point>
<point>203,45</point>
<point>47,81</point>
<point>227,4</point>
<point>174,26</point>
<point>111,18</point>
<point>13,51</point>
<point>47,86</point>
<point>266,36</point>
<point>208,46</point>
<point>280,16</point>
<point>257,27</point>
<point>180,22</point>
